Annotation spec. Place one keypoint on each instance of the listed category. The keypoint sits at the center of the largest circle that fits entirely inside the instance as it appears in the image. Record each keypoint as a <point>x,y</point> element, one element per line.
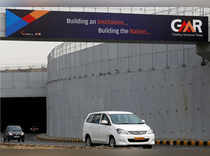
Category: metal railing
<point>23,68</point>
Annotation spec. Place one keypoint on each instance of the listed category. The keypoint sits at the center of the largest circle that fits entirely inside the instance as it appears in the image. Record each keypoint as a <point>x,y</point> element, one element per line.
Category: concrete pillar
<point>203,50</point>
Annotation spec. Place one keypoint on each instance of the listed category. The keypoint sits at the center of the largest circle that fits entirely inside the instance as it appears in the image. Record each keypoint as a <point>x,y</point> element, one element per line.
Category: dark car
<point>13,132</point>
<point>34,129</point>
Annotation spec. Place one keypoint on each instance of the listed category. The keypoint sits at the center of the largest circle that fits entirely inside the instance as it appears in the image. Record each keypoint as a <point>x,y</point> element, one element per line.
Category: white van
<point>117,128</point>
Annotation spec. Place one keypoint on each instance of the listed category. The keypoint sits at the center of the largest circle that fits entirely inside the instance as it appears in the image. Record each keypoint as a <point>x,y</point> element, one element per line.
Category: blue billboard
<point>104,27</point>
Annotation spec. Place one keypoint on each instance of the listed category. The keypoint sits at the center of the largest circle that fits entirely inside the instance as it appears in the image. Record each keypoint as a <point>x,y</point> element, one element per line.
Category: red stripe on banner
<point>28,18</point>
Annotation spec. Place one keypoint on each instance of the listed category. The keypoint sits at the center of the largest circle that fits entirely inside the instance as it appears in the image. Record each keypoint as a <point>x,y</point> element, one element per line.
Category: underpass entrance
<point>29,112</point>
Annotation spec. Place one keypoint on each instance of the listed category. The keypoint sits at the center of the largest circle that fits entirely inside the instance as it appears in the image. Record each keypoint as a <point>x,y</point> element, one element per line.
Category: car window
<point>125,119</point>
<point>90,118</point>
<point>13,128</point>
<point>96,118</point>
<point>104,117</point>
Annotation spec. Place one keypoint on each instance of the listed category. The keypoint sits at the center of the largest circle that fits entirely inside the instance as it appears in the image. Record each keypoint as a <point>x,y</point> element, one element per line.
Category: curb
<point>57,139</point>
<point>170,142</point>
<point>183,142</point>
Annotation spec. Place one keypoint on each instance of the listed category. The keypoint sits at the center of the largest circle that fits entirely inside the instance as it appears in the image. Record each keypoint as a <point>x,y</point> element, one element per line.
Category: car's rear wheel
<point>88,141</point>
<point>112,142</point>
<point>22,139</point>
<point>18,140</point>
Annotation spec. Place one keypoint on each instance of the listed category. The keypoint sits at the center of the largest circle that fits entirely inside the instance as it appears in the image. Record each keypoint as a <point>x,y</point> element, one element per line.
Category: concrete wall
<point>2,24</point>
<point>23,84</point>
<point>163,84</point>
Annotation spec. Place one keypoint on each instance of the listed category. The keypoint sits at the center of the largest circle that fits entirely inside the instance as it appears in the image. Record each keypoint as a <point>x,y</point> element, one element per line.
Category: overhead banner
<point>104,27</point>
<point>104,3</point>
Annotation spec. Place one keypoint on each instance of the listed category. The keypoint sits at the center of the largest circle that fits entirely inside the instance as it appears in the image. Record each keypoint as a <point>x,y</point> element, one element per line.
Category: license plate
<point>16,136</point>
<point>139,138</point>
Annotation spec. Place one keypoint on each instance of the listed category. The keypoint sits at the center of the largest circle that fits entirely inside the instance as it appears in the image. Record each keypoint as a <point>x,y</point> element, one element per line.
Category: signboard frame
<point>46,25</point>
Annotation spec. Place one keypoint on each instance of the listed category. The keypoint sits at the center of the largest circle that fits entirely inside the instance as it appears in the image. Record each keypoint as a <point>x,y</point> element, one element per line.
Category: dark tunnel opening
<point>28,112</point>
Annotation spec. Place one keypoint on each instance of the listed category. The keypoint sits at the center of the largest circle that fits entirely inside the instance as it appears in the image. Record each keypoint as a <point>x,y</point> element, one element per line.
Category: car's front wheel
<point>112,142</point>
<point>88,141</point>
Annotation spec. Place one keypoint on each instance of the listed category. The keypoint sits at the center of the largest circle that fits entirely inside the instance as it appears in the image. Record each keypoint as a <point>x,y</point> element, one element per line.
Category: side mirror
<point>104,122</point>
<point>143,121</point>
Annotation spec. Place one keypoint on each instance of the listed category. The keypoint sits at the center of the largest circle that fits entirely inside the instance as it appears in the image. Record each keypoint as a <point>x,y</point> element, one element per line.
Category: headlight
<point>22,133</point>
<point>150,131</point>
<point>121,131</point>
<point>10,133</point>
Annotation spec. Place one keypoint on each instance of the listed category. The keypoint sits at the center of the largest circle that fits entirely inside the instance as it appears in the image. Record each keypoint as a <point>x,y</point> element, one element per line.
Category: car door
<point>95,130</point>
<point>105,130</point>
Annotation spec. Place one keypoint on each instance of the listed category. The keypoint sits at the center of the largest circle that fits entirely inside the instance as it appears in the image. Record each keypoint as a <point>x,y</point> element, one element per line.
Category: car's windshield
<point>14,128</point>
<point>125,119</point>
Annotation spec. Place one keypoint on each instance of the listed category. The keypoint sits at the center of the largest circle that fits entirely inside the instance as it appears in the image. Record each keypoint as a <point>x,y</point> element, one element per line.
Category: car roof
<point>112,112</point>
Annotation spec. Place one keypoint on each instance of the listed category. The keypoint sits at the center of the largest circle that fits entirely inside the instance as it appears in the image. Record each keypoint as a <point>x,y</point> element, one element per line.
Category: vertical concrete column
<point>203,50</point>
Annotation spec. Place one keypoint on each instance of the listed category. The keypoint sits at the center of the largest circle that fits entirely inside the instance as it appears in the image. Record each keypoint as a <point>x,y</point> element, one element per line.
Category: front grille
<point>15,134</point>
<point>137,132</point>
<point>133,140</point>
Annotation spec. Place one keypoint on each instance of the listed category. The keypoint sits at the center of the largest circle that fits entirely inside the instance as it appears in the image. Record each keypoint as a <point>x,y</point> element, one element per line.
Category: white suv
<point>117,128</point>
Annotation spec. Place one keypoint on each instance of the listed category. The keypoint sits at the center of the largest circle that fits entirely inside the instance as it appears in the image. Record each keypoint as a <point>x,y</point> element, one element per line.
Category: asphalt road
<point>31,139</point>
<point>158,150</point>
<point>108,152</point>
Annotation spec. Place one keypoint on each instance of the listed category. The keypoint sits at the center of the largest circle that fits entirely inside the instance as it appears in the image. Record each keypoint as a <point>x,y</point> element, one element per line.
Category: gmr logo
<point>179,25</point>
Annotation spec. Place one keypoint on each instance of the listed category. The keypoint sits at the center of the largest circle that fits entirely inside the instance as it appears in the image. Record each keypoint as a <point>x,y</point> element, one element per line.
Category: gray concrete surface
<point>23,84</point>
<point>163,84</point>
